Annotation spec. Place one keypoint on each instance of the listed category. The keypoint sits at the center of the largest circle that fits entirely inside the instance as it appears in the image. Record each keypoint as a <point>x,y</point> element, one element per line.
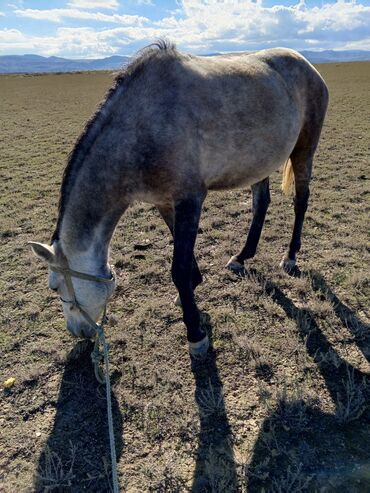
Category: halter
<point>68,274</point>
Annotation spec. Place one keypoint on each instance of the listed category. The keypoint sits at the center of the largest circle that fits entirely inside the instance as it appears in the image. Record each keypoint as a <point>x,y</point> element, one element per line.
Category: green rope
<point>103,377</point>
<point>96,355</point>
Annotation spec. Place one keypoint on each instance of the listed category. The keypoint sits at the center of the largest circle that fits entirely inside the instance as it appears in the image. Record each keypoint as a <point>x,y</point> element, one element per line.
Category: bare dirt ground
<point>280,405</point>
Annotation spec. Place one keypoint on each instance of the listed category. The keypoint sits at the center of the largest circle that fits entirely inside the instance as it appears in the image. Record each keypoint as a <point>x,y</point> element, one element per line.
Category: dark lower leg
<point>187,214</point>
<point>301,159</point>
<point>300,208</point>
<point>261,201</point>
<point>168,217</point>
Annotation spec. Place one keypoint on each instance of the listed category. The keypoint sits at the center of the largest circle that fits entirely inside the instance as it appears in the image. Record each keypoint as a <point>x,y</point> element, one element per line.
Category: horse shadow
<point>76,455</point>
<point>215,468</point>
<point>300,447</point>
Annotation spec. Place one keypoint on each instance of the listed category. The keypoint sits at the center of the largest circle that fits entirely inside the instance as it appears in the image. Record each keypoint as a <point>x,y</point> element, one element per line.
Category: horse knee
<point>263,205</point>
<point>261,197</point>
<point>181,276</point>
<point>197,278</point>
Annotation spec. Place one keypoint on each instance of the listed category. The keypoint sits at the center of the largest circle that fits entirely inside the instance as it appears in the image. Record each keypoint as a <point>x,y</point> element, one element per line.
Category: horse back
<point>216,122</point>
<point>244,113</point>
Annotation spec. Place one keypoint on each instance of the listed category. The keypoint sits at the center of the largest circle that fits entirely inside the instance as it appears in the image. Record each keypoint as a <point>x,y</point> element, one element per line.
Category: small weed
<point>293,481</point>
<point>272,443</point>
<point>291,410</point>
<point>304,320</point>
<point>260,284</point>
<point>360,282</point>
<point>359,330</point>
<point>211,401</point>
<point>220,472</point>
<point>321,308</point>
<point>259,471</point>
<point>53,474</point>
<point>263,370</point>
<point>153,420</point>
<point>163,477</point>
<point>328,358</point>
<point>264,394</point>
<point>248,349</point>
<point>351,404</point>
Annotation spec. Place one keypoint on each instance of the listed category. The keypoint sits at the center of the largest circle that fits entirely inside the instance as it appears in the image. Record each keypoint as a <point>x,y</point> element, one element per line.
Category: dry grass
<point>54,475</point>
<point>287,381</point>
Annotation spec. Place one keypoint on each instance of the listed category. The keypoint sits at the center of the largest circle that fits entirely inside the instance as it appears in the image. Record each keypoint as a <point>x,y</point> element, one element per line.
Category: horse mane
<point>92,127</point>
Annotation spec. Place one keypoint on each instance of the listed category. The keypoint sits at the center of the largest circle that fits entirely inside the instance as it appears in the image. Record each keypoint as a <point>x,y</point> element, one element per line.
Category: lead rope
<point>96,356</point>
<point>104,378</point>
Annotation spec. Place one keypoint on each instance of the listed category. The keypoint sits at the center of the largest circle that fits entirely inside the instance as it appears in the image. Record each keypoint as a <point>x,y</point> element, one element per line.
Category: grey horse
<point>172,127</point>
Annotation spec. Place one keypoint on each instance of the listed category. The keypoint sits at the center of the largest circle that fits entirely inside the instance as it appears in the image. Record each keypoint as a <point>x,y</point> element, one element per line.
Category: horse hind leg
<point>301,160</point>
<point>261,201</point>
<point>302,167</point>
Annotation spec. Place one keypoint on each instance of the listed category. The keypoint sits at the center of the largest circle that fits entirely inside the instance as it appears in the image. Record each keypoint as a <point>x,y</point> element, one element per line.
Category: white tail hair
<point>288,178</point>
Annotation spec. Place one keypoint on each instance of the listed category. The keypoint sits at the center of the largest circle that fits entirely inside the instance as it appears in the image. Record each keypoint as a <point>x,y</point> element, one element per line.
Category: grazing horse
<point>172,127</point>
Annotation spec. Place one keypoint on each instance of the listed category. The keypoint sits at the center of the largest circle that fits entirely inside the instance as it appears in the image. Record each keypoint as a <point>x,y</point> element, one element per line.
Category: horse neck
<point>96,191</point>
<point>87,228</point>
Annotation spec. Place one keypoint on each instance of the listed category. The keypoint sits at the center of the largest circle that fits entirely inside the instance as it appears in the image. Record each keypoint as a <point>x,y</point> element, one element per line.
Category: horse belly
<point>236,166</point>
<point>242,174</point>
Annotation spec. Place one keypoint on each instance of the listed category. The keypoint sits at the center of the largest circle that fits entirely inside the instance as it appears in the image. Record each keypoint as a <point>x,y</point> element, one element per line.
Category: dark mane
<point>92,127</point>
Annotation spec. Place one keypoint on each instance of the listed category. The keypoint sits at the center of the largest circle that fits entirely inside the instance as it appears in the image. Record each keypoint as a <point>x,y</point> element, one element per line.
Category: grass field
<point>280,405</point>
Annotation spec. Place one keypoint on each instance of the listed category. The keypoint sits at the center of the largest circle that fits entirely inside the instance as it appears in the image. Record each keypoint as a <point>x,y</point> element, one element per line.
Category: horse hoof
<point>288,265</point>
<point>234,265</point>
<point>177,301</point>
<point>198,350</point>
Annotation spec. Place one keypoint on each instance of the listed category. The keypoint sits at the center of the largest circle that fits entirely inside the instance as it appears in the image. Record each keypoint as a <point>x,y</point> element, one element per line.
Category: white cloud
<point>363,44</point>
<point>94,4</point>
<point>2,13</point>
<point>205,26</point>
<point>57,15</point>
<point>144,2</point>
<point>67,42</point>
<point>249,25</point>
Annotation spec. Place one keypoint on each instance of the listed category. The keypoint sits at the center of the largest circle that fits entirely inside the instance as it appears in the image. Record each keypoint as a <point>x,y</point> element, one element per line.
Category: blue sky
<point>95,28</point>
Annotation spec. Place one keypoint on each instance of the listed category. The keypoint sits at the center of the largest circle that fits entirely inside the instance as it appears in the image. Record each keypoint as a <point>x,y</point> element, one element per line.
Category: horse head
<point>83,295</point>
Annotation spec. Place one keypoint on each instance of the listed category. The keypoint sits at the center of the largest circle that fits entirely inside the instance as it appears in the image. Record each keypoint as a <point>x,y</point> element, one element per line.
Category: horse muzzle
<point>81,330</point>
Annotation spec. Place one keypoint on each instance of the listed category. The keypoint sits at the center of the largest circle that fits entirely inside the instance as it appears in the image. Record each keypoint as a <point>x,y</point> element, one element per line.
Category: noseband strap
<point>81,275</point>
<point>68,274</point>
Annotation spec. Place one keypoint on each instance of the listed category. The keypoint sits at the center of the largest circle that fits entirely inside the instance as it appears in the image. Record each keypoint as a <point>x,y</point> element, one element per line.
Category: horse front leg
<point>261,201</point>
<point>186,221</point>
<point>168,215</point>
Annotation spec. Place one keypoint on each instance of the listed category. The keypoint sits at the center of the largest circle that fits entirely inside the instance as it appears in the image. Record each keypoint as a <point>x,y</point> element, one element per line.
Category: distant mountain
<point>37,64</point>
<point>10,64</point>
<point>326,56</point>
<point>331,56</point>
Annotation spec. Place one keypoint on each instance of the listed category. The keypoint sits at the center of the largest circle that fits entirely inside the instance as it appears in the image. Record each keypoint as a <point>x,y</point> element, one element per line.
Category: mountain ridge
<point>31,63</point>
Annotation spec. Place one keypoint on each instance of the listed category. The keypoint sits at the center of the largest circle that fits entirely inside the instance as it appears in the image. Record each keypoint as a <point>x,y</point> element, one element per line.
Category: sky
<point>100,28</point>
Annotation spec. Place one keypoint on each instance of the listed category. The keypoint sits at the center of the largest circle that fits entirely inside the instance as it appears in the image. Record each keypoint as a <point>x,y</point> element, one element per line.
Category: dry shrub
<point>54,474</point>
<point>351,404</point>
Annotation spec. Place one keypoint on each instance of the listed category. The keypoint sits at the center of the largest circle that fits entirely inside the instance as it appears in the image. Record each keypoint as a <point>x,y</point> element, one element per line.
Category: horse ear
<point>45,252</point>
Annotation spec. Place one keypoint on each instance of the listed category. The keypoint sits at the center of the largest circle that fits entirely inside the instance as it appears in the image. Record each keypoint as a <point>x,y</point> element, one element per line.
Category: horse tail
<point>288,178</point>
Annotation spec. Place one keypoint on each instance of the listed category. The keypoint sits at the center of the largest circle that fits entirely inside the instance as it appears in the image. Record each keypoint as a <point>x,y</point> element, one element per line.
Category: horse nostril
<point>86,332</point>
